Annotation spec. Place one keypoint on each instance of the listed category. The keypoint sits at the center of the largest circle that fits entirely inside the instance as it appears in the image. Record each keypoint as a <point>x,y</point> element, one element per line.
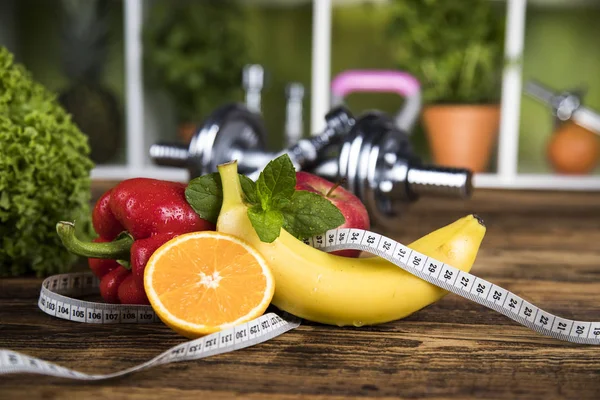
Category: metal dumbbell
<point>375,158</point>
<point>565,105</point>
<point>378,164</point>
<point>235,133</point>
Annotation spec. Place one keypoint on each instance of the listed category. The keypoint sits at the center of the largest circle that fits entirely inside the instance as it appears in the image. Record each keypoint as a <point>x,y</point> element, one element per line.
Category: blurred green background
<point>561,50</point>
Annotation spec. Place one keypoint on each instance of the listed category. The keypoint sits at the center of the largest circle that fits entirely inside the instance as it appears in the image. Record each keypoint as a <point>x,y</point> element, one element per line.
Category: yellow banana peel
<point>335,290</point>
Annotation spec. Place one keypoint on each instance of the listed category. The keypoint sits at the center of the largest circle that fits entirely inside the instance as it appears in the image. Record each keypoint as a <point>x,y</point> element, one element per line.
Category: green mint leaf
<point>310,214</point>
<point>205,196</point>
<point>249,188</point>
<point>267,224</point>
<point>276,181</point>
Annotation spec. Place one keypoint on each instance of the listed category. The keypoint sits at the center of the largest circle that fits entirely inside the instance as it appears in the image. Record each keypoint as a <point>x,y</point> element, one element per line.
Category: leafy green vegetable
<point>274,202</point>
<point>205,194</point>
<point>308,215</point>
<point>276,183</point>
<point>266,223</point>
<point>44,175</point>
<point>249,189</point>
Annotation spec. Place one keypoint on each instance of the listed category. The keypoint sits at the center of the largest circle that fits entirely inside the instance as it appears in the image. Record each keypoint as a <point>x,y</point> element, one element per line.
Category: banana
<point>329,289</point>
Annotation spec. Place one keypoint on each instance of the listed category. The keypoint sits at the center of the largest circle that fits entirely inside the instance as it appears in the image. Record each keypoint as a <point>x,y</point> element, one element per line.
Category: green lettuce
<point>44,175</point>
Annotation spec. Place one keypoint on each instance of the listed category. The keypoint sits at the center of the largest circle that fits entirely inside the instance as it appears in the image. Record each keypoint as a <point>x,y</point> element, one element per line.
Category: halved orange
<point>203,282</point>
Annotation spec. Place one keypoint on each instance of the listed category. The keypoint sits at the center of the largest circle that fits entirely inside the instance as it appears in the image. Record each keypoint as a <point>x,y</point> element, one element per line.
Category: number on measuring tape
<point>402,253</point>
<point>78,314</point>
<point>176,352</point>
<point>77,281</point>
<point>342,236</point>
<point>42,303</point>
<point>355,236</point>
<point>464,281</point>
<point>544,319</point>
<point>386,246</point>
<point>433,268</point>
<point>53,284</point>
<point>194,349</point>
<point>497,295</point>
<point>265,324</point>
<point>145,316</point>
<point>93,316</point>
<point>129,315</point>
<point>226,338</point>
<point>111,316</point>
<point>241,333</point>
<point>579,329</point>
<point>254,329</point>
<point>448,274</point>
<point>528,311</point>
<point>371,240</point>
<point>330,237</point>
<point>561,325</point>
<point>417,260</point>
<point>513,303</point>
<point>211,344</point>
<point>594,331</point>
<point>63,310</point>
<point>481,288</point>
<point>318,241</point>
<point>64,282</point>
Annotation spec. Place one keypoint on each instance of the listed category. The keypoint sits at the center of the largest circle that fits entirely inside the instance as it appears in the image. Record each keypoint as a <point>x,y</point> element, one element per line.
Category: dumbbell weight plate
<point>229,130</point>
<point>358,159</point>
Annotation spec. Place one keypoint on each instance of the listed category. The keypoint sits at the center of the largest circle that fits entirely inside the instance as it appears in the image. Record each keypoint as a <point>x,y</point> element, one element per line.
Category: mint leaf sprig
<point>273,202</point>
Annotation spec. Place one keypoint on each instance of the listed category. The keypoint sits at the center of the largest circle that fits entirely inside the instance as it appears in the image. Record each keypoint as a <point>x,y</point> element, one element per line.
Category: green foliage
<point>454,48</point>
<point>44,174</point>
<point>273,202</point>
<point>205,194</point>
<point>195,51</point>
<point>280,205</point>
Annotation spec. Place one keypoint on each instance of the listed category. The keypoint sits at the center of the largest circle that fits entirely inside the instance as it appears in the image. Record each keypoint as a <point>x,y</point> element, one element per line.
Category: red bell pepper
<point>133,219</point>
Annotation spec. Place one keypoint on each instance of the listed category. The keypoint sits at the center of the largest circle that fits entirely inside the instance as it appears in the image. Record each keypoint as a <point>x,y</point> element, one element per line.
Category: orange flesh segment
<point>209,281</point>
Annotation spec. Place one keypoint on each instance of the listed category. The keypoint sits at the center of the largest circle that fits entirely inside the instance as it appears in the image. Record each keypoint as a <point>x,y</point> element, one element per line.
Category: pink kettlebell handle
<point>398,82</point>
<point>374,81</point>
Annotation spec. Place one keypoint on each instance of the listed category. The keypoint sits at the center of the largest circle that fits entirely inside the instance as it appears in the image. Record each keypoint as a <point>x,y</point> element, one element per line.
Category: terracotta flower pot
<point>463,135</point>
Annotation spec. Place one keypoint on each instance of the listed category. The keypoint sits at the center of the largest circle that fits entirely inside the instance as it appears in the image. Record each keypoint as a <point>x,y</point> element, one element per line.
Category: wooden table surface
<point>542,246</point>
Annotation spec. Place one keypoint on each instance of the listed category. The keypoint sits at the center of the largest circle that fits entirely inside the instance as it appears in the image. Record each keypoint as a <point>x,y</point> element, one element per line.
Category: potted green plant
<point>195,51</point>
<point>455,49</point>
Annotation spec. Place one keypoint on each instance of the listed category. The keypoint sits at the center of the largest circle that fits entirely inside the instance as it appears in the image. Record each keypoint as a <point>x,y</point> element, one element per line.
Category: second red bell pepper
<point>133,220</point>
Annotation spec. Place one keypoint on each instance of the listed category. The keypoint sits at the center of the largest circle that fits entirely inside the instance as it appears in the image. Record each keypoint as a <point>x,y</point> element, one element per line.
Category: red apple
<point>352,208</point>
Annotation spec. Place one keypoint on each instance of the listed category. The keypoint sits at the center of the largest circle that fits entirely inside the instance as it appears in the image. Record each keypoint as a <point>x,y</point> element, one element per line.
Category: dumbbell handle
<point>416,181</point>
<point>303,154</point>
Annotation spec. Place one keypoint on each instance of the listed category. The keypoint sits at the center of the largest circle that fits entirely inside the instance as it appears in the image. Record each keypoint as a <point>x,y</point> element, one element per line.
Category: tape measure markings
<point>54,300</point>
<point>461,283</point>
<point>259,330</point>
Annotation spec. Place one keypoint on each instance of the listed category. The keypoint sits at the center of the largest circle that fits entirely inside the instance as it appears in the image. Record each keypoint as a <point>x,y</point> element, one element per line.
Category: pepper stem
<point>117,249</point>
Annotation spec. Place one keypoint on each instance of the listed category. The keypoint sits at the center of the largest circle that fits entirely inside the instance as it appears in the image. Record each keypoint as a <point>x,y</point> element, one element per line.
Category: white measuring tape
<point>55,290</point>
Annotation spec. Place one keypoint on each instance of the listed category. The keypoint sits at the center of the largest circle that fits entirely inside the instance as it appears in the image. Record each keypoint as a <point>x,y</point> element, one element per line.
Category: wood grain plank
<point>543,246</point>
